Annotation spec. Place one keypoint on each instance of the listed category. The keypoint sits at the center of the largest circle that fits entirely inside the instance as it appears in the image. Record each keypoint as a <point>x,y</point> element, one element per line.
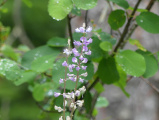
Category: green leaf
<point>102,102</point>
<point>158,56</point>
<point>137,43</point>
<point>36,53</point>
<point>76,11</point>
<point>117,19</point>
<point>107,71</point>
<point>139,10</point>
<point>28,3</point>
<point>106,46</point>
<point>26,77</point>
<point>43,63</point>
<point>40,90</point>
<point>85,4</point>
<point>10,69</point>
<point>57,42</point>
<point>9,52</point>
<point>121,3</point>
<point>148,21</point>
<point>99,87</point>
<point>87,101</point>
<point>151,63</point>
<point>131,62</point>
<point>58,9</point>
<point>107,37</point>
<point>122,81</point>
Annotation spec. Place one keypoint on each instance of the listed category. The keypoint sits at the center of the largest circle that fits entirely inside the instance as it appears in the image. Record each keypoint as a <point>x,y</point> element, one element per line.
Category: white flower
<point>65,103</point>
<point>84,74</point>
<point>82,89</point>
<point>72,105</point>
<point>77,93</point>
<point>80,103</point>
<point>59,109</point>
<point>61,118</point>
<point>67,52</point>
<point>68,118</point>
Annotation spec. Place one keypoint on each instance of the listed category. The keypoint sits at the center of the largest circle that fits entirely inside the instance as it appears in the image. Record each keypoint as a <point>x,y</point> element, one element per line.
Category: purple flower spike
<point>89,29</point>
<point>84,67</point>
<point>57,94</point>
<point>77,43</point>
<point>64,63</point>
<point>83,39</point>
<point>61,81</point>
<point>88,53</point>
<point>78,68</point>
<point>85,48</point>
<point>74,59</point>
<point>85,60</point>
<point>81,80</point>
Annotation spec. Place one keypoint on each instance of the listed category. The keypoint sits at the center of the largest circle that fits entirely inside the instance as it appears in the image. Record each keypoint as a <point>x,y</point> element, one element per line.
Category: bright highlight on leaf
<point>148,21</point>
<point>121,3</point>
<point>137,44</point>
<point>58,9</point>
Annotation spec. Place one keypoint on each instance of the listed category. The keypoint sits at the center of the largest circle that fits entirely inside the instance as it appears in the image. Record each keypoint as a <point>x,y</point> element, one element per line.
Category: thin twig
<point>150,84</point>
<point>86,19</point>
<point>126,27</point>
<point>70,30</point>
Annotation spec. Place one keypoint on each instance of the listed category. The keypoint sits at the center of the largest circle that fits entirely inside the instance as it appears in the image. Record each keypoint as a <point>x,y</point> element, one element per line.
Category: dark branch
<point>86,18</point>
<point>70,30</point>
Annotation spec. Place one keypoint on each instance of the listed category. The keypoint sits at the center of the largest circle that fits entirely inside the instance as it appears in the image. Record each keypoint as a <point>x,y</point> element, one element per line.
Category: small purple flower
<point>81,80</point>
<point>81,58</point>
<point>64,95</point>
<point>83,39</point>
<point>74,59</point>
<point>82,29</point>
<point>90,40</point>
<point>64,63</point>
<point>73,79</point>
<point>85,48</point>
<point>84,67</point>
<point>77,93</point>
<point>85,60</point>
<point>77,43</point>
<point>75,52</point>
<point>89,29</point>
<point>88,53</point>
<point>77,30</point>
<point>61,81</point>
<point>70,68</point>
<point>77,68</point>
<point>57,94</point>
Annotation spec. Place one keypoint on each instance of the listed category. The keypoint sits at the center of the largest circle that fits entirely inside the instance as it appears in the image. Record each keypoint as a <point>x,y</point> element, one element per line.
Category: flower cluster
<point>78,60</point>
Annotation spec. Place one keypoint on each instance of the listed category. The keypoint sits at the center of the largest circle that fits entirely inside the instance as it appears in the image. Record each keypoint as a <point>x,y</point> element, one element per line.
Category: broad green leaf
<point>122,81</point>
<point>10,69</point>
<point>9,52</point>
<point>87,101</point>
<point>40,90</point>
<point>107,71</point>
<point>121,3</point>
<point>58,9</point>
<point>26,76</point>
<point>117,19</point>
<point>28,3</point>
<point>131,62</point>
<point>57,42</point>
<point>102,102</point>
<point>151,63</point>
<point>43,63</point>
<point>107,37</point>
<point>85,4</point>
<point>137,43</point>
<point>59,72</point>
<point>76,11</point>
<point>106,46</point>
<point>32,55</point>
<point>148,21</point>
<point>77,36</point>
<point>99,87</point>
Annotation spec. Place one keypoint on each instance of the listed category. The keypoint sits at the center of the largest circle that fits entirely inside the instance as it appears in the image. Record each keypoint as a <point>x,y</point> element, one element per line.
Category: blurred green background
<point>16,103</point>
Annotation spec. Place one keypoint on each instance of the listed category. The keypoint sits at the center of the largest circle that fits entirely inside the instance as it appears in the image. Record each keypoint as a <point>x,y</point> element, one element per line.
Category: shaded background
<point>33,26</point>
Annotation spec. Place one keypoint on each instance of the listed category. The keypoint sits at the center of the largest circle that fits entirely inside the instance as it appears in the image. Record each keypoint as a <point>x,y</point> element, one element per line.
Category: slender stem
<point>151,3</point>
<point>126,27</point>
<point>65,90</point>
<point>70,30</point>
<point>150,84</point>
<point>86,18</point>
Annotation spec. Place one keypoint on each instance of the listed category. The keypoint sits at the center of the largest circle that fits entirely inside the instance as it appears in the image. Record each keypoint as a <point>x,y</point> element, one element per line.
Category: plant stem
<point>70,30</point>
<point>86,18</point>
<point>126,27</point>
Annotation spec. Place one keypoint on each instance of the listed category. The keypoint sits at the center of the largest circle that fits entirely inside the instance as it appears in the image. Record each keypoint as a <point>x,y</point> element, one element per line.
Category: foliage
<point>108,64</point>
